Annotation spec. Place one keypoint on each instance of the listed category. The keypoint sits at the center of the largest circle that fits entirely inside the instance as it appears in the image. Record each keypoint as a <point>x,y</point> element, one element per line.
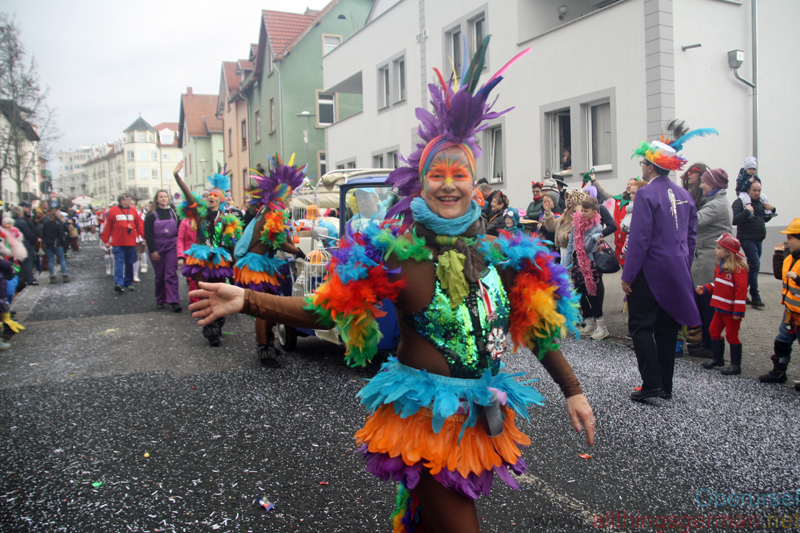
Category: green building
<point>288,109</point>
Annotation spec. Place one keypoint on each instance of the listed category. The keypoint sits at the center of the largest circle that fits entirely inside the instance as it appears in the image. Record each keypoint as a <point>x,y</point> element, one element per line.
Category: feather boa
<point>15,244</point>
<point>544,305</point>
<point>232,230</point>
<point>579,228</point>
<point>274,231</point>
<point>674,162</point>
<point>358,280</point>
<point>183,211</point>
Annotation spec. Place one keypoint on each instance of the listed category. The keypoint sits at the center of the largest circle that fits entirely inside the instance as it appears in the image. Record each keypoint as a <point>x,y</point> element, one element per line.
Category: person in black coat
<point>55,239</point>
<point>751,230</point>
<point>494,220</point>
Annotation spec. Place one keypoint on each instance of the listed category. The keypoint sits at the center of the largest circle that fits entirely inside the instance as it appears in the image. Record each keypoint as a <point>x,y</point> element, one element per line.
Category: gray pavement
<point>98,380</point>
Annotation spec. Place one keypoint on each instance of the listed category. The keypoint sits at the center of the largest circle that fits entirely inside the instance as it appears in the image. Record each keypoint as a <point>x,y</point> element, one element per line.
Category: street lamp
<point>307,116</point>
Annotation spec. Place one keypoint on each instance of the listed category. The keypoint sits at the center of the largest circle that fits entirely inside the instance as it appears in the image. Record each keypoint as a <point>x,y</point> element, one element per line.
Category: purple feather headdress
<point>459,113</point>
<point>273,190</point>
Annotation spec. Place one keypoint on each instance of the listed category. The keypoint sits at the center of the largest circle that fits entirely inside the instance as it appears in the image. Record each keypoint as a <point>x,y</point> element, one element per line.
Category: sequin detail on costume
<point>450,330</point>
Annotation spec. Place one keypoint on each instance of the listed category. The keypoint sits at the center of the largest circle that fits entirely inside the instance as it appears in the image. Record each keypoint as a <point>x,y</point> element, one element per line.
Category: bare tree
<point>27,123</point>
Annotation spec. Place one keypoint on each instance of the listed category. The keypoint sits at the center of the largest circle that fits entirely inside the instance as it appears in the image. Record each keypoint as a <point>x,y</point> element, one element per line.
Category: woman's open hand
<point>216,301</point>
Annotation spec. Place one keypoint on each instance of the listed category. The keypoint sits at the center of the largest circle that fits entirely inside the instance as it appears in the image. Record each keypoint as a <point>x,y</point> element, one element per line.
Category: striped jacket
<point>729,291</point>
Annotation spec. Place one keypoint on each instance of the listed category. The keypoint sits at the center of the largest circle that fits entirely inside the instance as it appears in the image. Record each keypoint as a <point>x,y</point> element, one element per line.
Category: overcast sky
<point>106,62</point>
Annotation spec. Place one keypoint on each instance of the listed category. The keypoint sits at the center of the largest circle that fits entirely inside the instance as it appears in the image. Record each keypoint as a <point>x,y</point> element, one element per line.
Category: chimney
<point>188,91</point>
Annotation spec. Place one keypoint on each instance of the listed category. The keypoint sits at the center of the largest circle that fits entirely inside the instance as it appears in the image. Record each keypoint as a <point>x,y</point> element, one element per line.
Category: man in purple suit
<point>656,276</point>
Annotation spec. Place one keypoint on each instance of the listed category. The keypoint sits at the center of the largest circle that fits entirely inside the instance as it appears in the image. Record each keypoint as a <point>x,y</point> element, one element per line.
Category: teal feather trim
<point>261,263</point>
<point>207,253</point>
<point>409,390</point>
<point>701,132</point>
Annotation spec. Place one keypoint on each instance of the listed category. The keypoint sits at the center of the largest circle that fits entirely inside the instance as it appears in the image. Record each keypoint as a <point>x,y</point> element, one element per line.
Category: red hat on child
<point>729,242</point>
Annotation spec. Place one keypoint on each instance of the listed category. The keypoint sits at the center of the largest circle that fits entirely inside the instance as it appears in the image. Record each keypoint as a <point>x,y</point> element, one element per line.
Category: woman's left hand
<point>580,411</point>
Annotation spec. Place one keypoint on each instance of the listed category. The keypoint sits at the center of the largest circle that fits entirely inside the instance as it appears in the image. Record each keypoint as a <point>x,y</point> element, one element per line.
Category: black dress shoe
<point>667,396</point>
<point>639,395</point>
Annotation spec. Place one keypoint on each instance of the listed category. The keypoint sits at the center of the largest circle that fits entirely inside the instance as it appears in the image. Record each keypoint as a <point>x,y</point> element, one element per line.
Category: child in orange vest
<point>786,267</point>
<point>729,291</point>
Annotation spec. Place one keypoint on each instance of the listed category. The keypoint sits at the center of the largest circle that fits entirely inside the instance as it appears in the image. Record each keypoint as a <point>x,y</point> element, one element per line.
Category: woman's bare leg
<point>442,510</point>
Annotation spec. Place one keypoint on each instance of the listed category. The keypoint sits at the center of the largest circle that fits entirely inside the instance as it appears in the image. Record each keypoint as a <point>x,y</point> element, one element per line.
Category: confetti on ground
<point>584,456</point>
<point>97,484</point>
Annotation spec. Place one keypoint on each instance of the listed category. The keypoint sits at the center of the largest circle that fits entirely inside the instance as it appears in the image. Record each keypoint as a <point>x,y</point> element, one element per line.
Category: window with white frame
<point>143,174</point>
<point>377,161</point>
<point>400,69</point>
<point>230,141</point>
<point>165,156</point>
<point>393,160</point>
<point>478,30</point>
<point>272,115</point>
<point>244,135</point>
<point>322,163</point>
<point>131,174</point>
<point>385,87</point>
<point>326,109</point>
<point>463,36</point>
<point>330,42</point>
<point>258,125</point>
<point>560,140</point>
<point>140,137</point>
<point>130,155</point>
<point>496,160</point>
<point>456,47</point>
<point>141,155</point>
<point>600,135</point>
<point>351,164</point>
<point>153,155</point>
<point>154,173</point>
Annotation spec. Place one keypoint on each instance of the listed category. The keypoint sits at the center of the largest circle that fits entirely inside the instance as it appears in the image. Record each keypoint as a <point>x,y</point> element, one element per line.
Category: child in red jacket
<point>729,291</point>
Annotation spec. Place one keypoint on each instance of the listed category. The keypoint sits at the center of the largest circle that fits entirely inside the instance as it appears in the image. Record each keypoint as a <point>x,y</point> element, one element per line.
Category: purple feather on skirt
<point>387,468</point>
<point>208,273</point>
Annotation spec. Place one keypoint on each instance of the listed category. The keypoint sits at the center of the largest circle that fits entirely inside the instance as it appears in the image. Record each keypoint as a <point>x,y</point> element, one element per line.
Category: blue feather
<point>220,181</point>
<point>702,132</point>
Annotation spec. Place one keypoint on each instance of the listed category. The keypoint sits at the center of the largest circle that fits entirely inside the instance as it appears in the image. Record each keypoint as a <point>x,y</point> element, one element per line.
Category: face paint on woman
<point>447,187</point>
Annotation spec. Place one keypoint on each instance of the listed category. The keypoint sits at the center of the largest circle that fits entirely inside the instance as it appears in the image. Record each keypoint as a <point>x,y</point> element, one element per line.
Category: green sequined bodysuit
<point>451,331</point>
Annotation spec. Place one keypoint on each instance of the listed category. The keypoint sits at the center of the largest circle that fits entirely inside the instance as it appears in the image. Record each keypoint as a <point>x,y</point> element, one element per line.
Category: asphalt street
<point>115,416</point>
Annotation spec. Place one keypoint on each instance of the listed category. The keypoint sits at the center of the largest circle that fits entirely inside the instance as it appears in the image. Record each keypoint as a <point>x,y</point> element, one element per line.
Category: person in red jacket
<point>729,291</point>
<point>123,225</point>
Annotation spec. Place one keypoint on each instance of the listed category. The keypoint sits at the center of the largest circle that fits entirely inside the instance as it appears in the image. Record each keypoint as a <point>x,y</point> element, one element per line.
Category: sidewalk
<point>757,333</point>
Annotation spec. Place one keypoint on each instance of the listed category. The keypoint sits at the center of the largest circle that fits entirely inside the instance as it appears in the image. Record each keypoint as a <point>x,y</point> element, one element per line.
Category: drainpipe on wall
<point>754,33</point>
<point>280,102</point>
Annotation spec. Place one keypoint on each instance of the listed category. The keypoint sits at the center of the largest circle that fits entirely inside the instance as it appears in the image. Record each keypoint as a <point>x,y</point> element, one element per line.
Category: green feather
<point>476,66</point>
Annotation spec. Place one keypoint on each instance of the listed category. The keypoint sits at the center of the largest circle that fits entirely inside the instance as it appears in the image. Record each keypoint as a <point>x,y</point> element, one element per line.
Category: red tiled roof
<point>244,64</point>
<point>282,28</point>
<point>232,79</point>
<point>199,114</point>
<point>174,126</point>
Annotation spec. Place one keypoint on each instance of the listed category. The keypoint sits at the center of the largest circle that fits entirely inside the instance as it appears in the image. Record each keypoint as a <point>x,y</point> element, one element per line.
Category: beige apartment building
<point>232,108</point>
<point>140,163</point>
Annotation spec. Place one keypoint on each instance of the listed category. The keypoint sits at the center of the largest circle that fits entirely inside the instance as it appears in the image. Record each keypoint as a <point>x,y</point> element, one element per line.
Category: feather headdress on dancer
<point>663,153</point>
<point>271,194</point>
<point>459,113</point>
<point>273,190</point>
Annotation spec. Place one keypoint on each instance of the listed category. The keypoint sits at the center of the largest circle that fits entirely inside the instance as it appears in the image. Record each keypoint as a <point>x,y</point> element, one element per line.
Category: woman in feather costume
<point>258,268</point>
<point>443,411</point>
<point>210,258</point>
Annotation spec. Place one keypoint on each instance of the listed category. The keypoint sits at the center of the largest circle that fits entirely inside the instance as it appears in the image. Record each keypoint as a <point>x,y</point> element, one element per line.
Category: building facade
<point>289,111</point>
<point>232,109</point>
<point>200,138</point>
<point>584,87</point>
<point>19,155</point>
<point>139,164</point>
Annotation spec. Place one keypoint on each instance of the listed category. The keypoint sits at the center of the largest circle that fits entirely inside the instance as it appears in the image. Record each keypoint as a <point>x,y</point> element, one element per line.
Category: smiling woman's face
<point>447,187</point>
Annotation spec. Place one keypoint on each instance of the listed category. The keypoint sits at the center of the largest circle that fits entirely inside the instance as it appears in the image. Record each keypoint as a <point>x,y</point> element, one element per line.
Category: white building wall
<point>596,54</point>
